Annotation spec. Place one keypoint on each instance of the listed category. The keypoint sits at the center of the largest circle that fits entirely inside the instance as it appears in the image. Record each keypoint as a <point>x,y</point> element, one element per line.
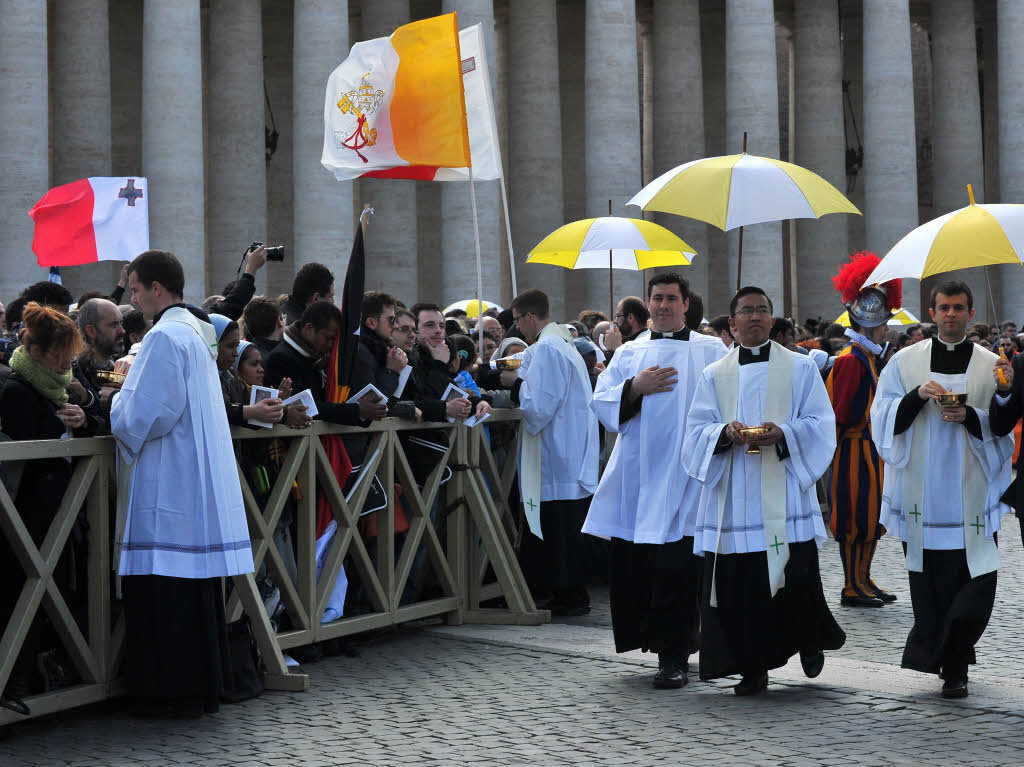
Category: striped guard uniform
<point>855,493</point>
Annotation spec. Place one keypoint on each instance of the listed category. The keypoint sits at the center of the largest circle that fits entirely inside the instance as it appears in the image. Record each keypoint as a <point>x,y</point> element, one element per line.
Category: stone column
<point>391,245</point>
<point>172,135</point>
<point>323,217</point>
<point>752,105</point>
<point>277,58</point>
<point>571,19</point>
<point>890,154</point>
<point>679,117</point>
<point>458,249</point>
<point>23,152</point>
<point>1010,18</point>
<point>536,202</point>
<point>852,29</point>
<point>235,136</point>
<point>821,244</point>
<point>81,114</point>
<point>990,98</point>
<point>958,158</point>
<point>712,37</point>
<point>611,117</point>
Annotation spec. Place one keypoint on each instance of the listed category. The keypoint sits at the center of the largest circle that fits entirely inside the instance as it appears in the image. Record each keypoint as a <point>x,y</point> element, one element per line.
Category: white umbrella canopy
<point>469,306</point>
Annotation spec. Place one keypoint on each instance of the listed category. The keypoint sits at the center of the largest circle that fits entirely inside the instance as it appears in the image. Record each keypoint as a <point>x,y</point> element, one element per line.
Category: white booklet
<point>403,379</point>
<point>371,392</point>
<point>476,421</point>
<point>453,392</point>
<point>304,397</point>
<point>258,394</point>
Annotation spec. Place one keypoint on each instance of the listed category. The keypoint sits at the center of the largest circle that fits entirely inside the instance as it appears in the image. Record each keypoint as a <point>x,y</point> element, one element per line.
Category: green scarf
<point>53,386</point>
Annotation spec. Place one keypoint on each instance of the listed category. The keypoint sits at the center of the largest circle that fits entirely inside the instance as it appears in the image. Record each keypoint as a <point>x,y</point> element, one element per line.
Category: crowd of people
<point>713,484</point>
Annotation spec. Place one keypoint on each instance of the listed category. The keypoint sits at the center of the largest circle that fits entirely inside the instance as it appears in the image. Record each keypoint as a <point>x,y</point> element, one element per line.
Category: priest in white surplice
<point>185,524</point>
<point>759,525</point>
<point>945,471</point>
<point>646,504</point>
<point>559,448</point>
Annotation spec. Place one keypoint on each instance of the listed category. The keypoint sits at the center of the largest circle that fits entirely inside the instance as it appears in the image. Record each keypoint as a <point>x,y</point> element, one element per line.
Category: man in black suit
<point>302,356</point>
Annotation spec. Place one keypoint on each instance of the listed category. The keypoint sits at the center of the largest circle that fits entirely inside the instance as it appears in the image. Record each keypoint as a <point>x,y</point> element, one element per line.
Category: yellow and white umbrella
<point>611,242</point>
<point>978,235</point>
<point>737,190</point>
<point>740,190</point>
<point>899,318</point>
<point>471,307</point>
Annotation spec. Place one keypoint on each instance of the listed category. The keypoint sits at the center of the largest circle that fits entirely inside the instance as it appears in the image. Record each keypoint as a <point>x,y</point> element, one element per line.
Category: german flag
<point>339,370</point>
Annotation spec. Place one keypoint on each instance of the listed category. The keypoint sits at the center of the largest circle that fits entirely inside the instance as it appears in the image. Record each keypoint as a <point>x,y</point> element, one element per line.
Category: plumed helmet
<point>873,305</point>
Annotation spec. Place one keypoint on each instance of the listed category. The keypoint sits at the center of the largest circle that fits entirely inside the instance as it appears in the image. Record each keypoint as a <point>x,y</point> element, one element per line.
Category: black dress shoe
<point>670,677</point>
<point>859,601</point>
<point>954,688</point>
<point>812,663</point>
<point>752,684</point>
<point>17,705</point>
<point>884,595</point>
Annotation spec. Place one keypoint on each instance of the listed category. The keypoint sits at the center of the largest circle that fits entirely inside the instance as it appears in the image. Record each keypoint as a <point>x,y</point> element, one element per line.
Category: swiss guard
<point>856,486</point>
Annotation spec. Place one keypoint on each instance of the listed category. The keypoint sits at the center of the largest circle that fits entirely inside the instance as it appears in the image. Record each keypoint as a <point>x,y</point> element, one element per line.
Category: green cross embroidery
<point>777,545</point>
<point>915,513</point>
<point>531,504</point>
<point>977,525</point>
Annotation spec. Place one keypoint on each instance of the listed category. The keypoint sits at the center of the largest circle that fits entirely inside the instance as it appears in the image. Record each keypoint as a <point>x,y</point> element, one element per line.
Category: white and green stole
<point>778,398</point>
<point>982,554</point>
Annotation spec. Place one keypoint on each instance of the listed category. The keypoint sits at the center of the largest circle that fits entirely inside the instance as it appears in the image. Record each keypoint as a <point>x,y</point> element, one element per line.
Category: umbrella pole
<point>991,298</point>
<point>611,277</point>
<point>739,262</point>
<point>739,256</point>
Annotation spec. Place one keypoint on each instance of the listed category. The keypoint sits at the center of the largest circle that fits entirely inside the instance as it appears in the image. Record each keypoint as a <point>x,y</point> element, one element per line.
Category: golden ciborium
<point>110,378</point>
<point>508,363</point>
<point>753,431</point>
<point>949,399</point>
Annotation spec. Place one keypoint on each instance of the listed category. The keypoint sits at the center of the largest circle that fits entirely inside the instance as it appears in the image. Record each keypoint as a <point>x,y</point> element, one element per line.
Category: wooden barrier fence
<point>468,541</point>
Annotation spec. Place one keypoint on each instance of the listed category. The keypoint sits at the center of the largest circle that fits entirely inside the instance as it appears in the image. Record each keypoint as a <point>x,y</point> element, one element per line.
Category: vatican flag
<point>395,106</point>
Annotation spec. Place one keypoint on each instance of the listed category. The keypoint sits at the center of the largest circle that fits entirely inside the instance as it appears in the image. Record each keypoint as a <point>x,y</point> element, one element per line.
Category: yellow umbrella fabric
<point>630,243</point>
<point>978,235</point>
<point>900,317</point>
<point>742,189</point>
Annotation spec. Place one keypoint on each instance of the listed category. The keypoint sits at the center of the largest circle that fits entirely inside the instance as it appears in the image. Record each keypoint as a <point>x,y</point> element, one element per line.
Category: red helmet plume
<point>852,274</point>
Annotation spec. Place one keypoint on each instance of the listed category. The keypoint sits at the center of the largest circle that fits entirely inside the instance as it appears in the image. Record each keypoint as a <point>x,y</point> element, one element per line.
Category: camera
<point>274,252</point>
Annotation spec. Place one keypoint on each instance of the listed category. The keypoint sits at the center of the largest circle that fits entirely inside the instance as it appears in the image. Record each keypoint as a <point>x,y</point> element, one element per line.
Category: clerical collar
<point>195,311</point>
<point>683,334</point>
<point>951,347</point>
<point>864,341</point>
<point>755,354</point>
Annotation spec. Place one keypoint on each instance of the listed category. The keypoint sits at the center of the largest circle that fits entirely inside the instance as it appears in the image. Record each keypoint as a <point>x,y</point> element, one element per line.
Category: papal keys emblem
<point>359,105</point>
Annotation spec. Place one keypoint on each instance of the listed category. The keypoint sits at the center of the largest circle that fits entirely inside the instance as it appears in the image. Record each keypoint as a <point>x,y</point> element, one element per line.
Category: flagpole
<point>508,233</point>
<point>479,268</point>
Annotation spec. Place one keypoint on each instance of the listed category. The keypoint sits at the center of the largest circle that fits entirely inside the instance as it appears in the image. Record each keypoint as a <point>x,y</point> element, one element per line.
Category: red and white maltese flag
<point>95,219</point>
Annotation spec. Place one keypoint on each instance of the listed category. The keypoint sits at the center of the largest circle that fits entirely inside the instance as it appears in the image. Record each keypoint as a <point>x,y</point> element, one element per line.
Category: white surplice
<point>810,434</point>
<point>184,512</point>
<point>941,481</point>
<point>554,398</point>
<point>645,495</point>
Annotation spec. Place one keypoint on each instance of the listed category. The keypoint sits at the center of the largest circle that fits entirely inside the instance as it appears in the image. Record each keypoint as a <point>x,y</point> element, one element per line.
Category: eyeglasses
<point>620,317</point>
<point>388,318</point>
<point>747,311</point>
<point>407,329</point>
<point>517,317</point>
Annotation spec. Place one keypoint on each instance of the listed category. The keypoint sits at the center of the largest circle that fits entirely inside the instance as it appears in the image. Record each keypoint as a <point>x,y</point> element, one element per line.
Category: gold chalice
<point>950,399</point>
<point>508,363</point>
<point>753,431</point>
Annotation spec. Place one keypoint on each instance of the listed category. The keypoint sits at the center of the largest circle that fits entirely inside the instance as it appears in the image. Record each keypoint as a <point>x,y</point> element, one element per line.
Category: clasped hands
<point>771,437</point>
<point>933,390</point>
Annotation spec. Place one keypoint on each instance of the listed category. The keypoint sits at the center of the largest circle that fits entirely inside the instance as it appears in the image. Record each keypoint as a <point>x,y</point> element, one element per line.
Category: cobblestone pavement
<point>557,694</point>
